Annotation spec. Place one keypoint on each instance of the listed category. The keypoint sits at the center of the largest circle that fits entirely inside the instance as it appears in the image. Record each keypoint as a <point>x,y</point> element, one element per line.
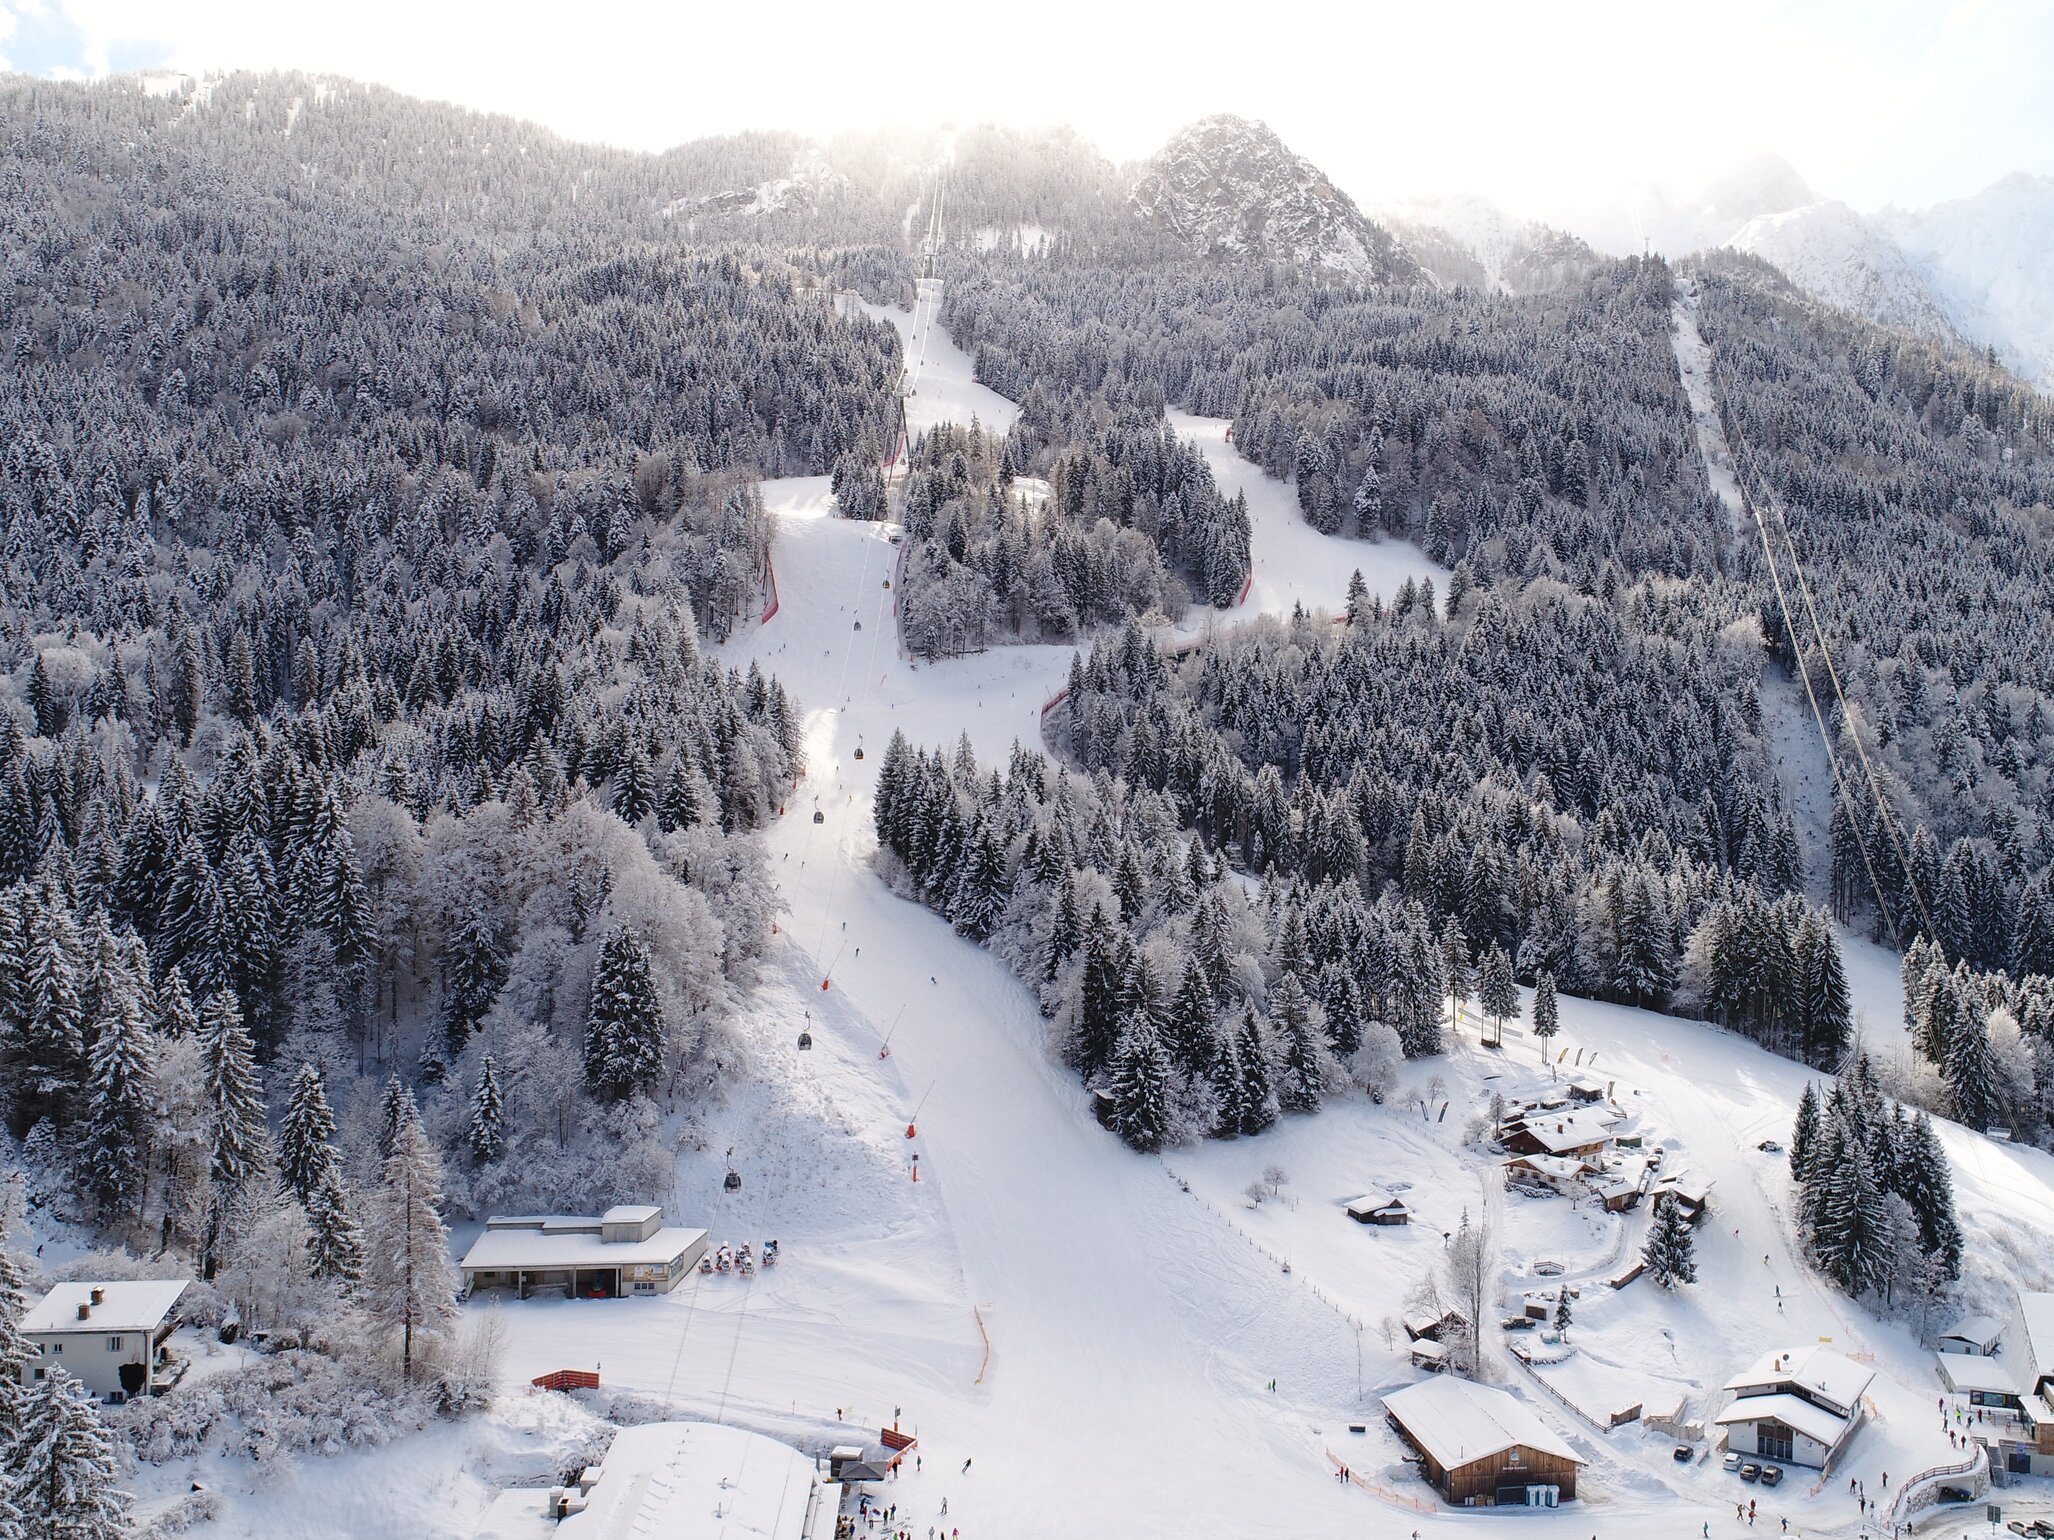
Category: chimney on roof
<point>85,1312</point>
<point>99,1295</point>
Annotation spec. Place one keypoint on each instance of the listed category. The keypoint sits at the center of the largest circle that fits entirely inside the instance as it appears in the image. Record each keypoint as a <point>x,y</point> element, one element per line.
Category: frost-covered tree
<point>305,1154</point>
<point>1670,1252</point>
<point>63,1466</point>
<point>624,1023</point>
<point>485,1131</point>
<point>409,1282</point>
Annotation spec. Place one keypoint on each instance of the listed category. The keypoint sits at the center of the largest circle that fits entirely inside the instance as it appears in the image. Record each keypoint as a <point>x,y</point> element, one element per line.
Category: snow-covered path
<point>1293,563</point>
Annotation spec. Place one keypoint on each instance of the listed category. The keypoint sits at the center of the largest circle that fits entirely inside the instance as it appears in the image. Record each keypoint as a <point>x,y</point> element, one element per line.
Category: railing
<point>567,1379</point>
<point>1923,1490</point>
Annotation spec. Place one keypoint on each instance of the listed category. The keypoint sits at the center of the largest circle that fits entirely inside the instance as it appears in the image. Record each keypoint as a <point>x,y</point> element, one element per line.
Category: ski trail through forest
<point>1793,736</point>
<point>1099,1280</point>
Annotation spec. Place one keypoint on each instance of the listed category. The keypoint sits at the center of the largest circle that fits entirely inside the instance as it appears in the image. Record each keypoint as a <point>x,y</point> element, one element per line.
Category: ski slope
<point>1094,1329</point>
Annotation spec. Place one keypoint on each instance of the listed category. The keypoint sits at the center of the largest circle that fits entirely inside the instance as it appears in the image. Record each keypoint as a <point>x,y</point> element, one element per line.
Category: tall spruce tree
<point>485,1130</point>
<point>1670,1252</point>
<point>624,1025</point>
<point>63,1466</point>
<point>304,1151</point>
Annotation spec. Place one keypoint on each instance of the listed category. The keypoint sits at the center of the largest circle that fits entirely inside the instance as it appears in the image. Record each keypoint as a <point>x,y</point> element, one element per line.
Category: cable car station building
<point>626,1250</point>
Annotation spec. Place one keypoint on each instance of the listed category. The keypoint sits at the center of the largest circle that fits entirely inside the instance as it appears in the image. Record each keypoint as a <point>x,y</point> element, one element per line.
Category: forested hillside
<point>361,523</point>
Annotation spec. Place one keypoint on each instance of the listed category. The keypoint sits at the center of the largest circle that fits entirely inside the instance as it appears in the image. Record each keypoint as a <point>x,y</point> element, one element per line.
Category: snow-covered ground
<point>1095,1329</point>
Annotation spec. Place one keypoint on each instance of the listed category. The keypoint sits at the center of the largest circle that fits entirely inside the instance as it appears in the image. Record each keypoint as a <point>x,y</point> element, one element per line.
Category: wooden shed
<point>1480,1447</point>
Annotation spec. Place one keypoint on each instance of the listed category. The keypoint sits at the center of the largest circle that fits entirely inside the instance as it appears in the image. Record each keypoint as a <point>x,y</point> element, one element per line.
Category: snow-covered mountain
<point>1978,270</point>
<point>1830,251</point>
<point>1989,262</point>
<point>1472,241</point>
<point>1230,186</point>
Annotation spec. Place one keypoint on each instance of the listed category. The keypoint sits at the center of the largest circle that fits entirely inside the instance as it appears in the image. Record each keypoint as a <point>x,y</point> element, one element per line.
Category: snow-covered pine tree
<point>1971,1070</point>
<point>234,1096</point>
<point>235,1116</point>
<point>624,1026</point>
<point>409,1283</point>
<point>1825,1013</point>
<point>1457,968</point>
<point>395,1105</point>
<point>1804,1133</point>
<point>980,895</point>
<point>1101,992</point>
<point>1189,1034</point>
<point>485,1131</point>
<point>63,1466</point>
<point>1926,1183</point>
<point>473,970</point>
<point>335,1248</point>
<point>1305,1064</point>
<point>49,1055</point>
<point>304,1151</point>
<point>1229,1086</point>
<point>1257,1101</point>
<point>1142,1084</point>
<point>1563,1315</point>
<point>1547,1017</point>
<point>1670,1252</point>
<point>1497,994</point>
<point>15,1350</point>
<point>120,1101</point>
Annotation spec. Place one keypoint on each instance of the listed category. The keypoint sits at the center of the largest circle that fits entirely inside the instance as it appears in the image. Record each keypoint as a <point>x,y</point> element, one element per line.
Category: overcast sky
<point>1542,107</point>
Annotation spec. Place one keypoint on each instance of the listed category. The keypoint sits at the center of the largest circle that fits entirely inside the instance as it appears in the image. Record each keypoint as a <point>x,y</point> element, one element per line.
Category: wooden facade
<point>1503,1476</point>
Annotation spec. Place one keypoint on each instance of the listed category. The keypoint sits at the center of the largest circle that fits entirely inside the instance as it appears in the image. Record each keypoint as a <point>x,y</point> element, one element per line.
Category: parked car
<point>1770,1147</point>
<point>1956,1495</point>
<point>1684,1454</point>
<point>1731,1462</point>
<point>1771,1474</point>
<point>1750,1472</point>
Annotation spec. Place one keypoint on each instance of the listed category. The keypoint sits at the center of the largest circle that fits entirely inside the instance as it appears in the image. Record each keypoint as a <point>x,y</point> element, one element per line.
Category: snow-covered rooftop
<point>2036,1319</point>
<point>1561,1167</point>
<point>1982,1330</point>
<point>1556,1132</point>
<point>502,1248</point>
<point>1964,1372</point>
<point>135,1305</point>
<point>1815,1370</point>
<point>1457,1421</point>
<point>1792,1411</point>
<point>696,1481</point>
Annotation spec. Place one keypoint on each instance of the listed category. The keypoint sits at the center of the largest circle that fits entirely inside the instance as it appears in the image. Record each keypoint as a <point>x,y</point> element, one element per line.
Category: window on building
<point>113,1344</point>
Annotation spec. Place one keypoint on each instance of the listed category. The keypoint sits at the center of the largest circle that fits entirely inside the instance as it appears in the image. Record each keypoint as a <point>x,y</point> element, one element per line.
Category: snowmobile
<point>724,1259</point>
<point>705,1264</point>
<point>745,1261</point>
<point>770,1253</point>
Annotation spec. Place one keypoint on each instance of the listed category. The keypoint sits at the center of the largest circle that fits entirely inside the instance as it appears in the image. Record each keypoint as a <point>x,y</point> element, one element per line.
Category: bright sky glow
<point>1544,108</point>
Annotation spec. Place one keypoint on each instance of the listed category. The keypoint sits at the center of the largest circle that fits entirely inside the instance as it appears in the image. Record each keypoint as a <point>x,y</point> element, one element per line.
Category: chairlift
<point>887,582</point>
<point>818,816</point>
<point>859,751</point>
<point>733,1182</point>
<point>805,1040</point>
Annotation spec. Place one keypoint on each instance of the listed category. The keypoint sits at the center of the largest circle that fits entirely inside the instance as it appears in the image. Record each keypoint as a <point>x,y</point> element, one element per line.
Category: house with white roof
<point>1482,1448</point>
<point>108,1336</point>
<point>1797,1407</point>
<point>1978,1334</point>
<point>626,1250</point>
<point>1584,1133</point>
